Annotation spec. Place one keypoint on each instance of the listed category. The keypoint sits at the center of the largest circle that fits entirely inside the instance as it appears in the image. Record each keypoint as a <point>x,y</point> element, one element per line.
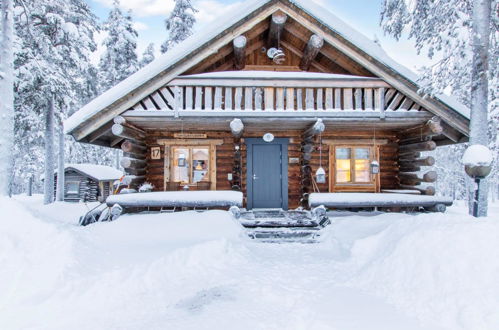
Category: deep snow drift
<point>199,271</point>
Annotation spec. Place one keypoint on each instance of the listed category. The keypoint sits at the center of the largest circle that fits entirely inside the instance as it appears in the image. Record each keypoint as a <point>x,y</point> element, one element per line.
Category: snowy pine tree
<point>6,96</point>
<point>179,24</point>
<point>119,60</point>
<point>444,30</point>
<point>52,58</point>
<point>147,56</point>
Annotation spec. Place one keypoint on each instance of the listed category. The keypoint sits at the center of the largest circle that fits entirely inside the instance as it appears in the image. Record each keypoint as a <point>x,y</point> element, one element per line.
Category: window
<point>190,164</point>
<point>352,165</point>
<point>73,187</point>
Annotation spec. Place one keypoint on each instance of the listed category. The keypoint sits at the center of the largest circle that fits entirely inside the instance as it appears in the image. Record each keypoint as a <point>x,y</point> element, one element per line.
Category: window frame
<point>169,144</point>
<point>190,148</point>
<point>371,186</point>
<point>68,183</point>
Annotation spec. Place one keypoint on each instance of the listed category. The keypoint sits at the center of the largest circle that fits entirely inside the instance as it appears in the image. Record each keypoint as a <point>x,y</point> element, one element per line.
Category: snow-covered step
<point>285,235</point>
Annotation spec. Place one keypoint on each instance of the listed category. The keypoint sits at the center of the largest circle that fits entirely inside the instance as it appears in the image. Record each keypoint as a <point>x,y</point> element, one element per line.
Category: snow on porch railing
<point>187,94</point>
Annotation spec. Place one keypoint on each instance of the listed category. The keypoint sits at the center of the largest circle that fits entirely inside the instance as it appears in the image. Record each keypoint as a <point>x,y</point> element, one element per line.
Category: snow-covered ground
<point>199,271</point>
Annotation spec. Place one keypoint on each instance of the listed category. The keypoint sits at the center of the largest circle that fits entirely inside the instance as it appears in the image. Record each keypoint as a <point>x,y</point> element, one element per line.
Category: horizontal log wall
<point>225,159</point>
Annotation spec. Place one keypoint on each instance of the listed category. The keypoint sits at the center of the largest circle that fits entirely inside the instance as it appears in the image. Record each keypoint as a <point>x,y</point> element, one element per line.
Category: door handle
<point>255,177</point>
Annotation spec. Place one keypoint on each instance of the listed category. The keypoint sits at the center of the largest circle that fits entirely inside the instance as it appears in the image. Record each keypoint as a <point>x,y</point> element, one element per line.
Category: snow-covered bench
<point>177,199</point>
<point>365,200</point>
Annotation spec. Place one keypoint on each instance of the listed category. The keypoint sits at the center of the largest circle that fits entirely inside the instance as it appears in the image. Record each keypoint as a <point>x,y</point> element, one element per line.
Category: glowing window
<point>353,165</point>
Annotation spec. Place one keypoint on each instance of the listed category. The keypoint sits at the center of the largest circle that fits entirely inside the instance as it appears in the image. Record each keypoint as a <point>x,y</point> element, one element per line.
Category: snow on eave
<point>199,40</point>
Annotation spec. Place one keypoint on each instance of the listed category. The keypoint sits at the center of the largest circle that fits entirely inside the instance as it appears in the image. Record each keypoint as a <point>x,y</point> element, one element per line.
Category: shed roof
<point>96,172</point>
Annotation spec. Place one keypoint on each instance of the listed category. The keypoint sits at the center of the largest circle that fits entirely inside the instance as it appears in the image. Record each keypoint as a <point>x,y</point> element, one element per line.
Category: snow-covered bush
<point>146,187</point>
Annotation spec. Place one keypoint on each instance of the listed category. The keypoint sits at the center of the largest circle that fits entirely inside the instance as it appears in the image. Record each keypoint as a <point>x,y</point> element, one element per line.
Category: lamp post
<point>477,172</point>
<point>477,160</point>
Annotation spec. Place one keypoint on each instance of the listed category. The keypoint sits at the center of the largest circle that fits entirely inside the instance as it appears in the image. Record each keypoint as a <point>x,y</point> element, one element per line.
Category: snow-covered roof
<point>200,39</point>
<point>97,172</point>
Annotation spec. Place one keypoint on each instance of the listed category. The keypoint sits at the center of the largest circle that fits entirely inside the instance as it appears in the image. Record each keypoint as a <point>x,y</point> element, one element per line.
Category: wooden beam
<point>134,148</point>
<point>237,127</point>
<point>99,133</point>
<point>313,47</point>
<point>299,53</point>
<point>412,179</point>
<point>128,132</point>
<point>127,162</point>
<point>331,53</point>
<point>451,133</point>
<point>239,44</point>
<point>427,161</point>
<point>277,22</point>
<point>315,129</point>
<point>429,190</point>
<point>422,146</point>
<point>431,128</point>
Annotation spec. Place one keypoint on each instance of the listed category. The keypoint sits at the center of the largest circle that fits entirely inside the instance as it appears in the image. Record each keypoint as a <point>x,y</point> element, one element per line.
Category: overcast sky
<point>363,15</point>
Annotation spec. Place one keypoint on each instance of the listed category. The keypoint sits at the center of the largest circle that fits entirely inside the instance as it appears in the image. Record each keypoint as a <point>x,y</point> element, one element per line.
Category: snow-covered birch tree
<point>464,65</point>
<point>480,86</point>
<point>60,166</point>
<point>179,24</point>
<point>48,190</point>
<point>6,95</point>
<point>119,60</point>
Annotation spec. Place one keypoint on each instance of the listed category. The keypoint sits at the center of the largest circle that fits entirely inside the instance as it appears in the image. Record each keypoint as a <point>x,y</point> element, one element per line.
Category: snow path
<point>193,271</point>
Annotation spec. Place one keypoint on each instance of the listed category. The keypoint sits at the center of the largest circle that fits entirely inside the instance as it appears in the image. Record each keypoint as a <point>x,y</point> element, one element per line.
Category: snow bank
<point>34,256</point>
<point>375,199</point>
<point>213,198</point>
<point>191,270</point>
<point>477,155</point>
<point>109,275</point>
<point>442,268</point>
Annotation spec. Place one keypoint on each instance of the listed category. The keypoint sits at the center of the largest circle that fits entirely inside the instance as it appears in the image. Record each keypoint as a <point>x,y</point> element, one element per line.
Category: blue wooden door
<point>267,188</point>
<point>267,175</point>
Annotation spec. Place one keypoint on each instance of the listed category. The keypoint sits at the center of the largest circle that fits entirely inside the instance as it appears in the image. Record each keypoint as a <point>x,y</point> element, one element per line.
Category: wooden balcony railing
<point>259,95</point>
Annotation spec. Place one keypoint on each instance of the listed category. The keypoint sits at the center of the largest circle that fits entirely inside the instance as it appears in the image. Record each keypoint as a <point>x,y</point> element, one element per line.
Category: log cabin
<point>88,182</point>
<point>279,100</point>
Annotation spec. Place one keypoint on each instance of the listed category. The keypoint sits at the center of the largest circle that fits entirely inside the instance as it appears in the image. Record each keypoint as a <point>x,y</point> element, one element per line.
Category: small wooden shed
<point>88,181</point>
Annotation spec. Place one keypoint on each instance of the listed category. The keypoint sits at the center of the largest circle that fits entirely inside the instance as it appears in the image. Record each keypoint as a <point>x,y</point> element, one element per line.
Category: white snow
<point>194,270</point>
<point>375,199</point>
<point>179,198</point>
<point>98,172</point>
<point>167,60</point>
<point>477,155</point>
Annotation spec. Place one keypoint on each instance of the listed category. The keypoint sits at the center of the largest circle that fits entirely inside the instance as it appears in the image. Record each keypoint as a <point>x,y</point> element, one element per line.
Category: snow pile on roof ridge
<point>99,172</point>
<point>477,155</point>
